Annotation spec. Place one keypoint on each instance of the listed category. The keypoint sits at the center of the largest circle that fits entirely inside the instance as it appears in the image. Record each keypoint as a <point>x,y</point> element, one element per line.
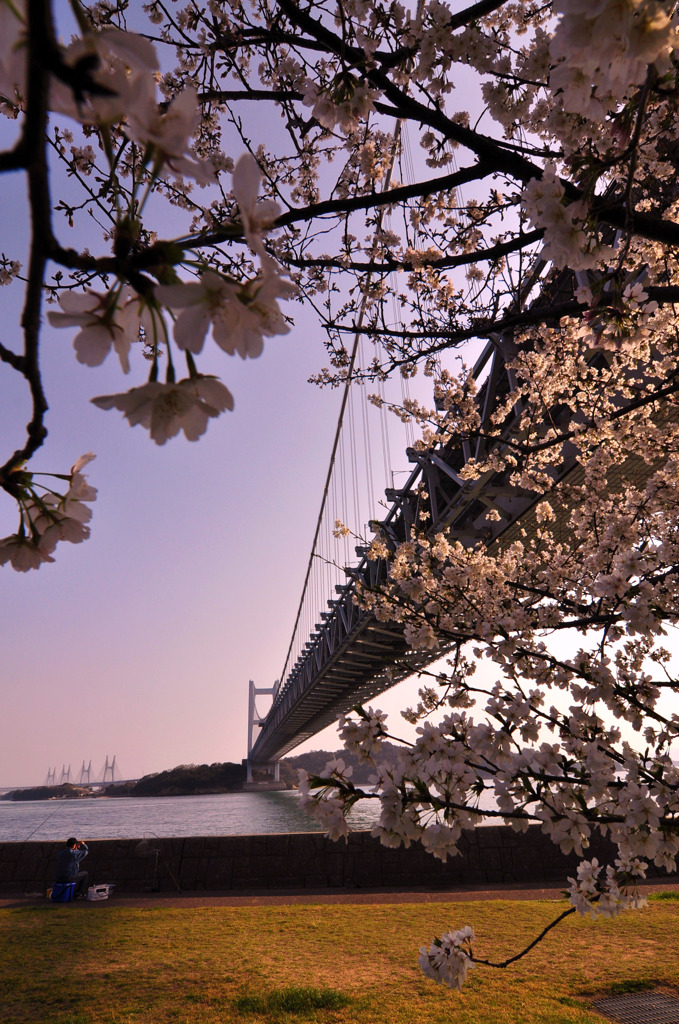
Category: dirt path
<point>353,896</point>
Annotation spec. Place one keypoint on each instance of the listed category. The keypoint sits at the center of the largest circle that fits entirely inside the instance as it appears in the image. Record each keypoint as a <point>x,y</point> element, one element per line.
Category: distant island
<point>195,779</point>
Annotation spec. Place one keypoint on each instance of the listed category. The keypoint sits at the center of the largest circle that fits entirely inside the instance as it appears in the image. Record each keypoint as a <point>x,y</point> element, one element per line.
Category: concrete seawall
<point>490,855</point>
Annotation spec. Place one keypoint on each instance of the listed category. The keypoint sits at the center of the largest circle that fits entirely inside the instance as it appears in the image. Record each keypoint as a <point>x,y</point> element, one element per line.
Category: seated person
<point>68,860</point>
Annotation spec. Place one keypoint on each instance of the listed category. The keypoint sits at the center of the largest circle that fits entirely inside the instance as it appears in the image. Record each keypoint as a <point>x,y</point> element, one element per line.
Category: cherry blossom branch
<point>492,154</point>
<point>390,263</point>
<point>40,39</point>
<point>531,945</point>
<point>474,11</point>
<point>374,200</point>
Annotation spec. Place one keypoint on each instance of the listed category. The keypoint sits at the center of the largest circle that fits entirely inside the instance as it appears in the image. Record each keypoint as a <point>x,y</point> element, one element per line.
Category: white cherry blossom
<point>165,409</point>
<point>55,517</point>
<point>168,132</point>
<point>255,217</point>
<point>50,517</point>
<point>123,62</point>
<point>446,962</point>
<point>343,103</point>
<point>566,241</point>
<point>53,525</point>
<point>13,51</point>
<point>22,553</point>
<point>105,326</point>
<point>75,503</point>
<point>365,736</point>
<point>240,316</point>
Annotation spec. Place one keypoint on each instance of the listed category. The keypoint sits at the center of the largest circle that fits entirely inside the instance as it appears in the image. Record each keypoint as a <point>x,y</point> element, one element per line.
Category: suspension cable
<point>343,406</point>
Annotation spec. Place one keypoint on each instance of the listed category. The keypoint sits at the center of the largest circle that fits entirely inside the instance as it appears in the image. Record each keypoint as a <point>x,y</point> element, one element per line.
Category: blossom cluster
<point>447,961</point>
<point>598,893</point>
<point>122,83</point>
<point>106,79</point>
<point>165,409</point>
<point>606,48</point>
<point>48,518</point>
<point>241,316</point>
<point>364,736</point>
<point>345,102</point>
<point>566,242</point>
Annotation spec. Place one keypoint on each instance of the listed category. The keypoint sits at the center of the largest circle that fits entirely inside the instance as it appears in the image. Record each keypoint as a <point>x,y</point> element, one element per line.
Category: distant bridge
<point>110,773</point>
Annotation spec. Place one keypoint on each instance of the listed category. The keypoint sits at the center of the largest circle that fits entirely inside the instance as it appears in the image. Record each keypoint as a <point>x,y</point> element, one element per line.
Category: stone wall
<point>490,855</point>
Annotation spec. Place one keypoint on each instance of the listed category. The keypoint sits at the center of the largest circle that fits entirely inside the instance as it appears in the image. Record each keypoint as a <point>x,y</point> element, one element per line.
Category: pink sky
<point>141,641</point>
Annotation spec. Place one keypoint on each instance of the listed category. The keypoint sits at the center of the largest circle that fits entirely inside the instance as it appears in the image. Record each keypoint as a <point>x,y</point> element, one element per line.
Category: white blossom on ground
<point>165,409</point>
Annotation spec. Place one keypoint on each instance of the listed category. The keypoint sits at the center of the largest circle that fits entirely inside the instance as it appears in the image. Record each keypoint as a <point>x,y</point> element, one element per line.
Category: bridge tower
<point>65,774</point>
<point>85,777</point>
<point>256,722</point>
<point>51,779</point>
<point>110,770</point>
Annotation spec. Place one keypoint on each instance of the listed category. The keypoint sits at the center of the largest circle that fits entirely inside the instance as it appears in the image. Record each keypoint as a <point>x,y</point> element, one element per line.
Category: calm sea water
<point>222,814</point>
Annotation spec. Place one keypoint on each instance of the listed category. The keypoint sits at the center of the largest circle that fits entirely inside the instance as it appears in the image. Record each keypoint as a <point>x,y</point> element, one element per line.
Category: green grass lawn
<point>106,964</point>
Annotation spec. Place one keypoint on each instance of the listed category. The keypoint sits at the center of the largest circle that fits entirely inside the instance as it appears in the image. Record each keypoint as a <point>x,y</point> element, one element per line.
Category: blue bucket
<point>63,892</point>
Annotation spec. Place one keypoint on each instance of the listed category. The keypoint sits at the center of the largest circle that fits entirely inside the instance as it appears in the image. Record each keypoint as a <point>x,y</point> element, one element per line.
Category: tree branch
<point>493,252</point>
<point>40,40</point>
<point>532,945</point>
<point>492,154</point>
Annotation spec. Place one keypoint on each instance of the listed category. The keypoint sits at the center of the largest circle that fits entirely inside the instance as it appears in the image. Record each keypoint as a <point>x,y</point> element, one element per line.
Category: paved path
<point>346,896</point>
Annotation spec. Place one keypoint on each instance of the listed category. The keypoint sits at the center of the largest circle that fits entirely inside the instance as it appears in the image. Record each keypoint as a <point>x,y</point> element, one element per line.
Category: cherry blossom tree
<point>423,176</point>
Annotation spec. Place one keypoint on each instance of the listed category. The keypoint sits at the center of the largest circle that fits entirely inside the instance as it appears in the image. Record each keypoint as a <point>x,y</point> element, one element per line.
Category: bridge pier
<point>270,768</point>
<point>263,776</point>
<point>274,768</point>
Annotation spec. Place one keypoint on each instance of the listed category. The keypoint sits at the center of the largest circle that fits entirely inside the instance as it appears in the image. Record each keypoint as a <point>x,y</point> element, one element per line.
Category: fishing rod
<point>41,824</point>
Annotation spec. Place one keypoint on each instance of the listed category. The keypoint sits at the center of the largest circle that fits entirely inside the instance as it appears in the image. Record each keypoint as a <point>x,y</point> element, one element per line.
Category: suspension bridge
<point>349,657</point>
<point>342,655</point>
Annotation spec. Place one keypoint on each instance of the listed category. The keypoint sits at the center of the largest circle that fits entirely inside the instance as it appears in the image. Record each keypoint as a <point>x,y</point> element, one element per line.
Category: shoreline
<point>493,856</point>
